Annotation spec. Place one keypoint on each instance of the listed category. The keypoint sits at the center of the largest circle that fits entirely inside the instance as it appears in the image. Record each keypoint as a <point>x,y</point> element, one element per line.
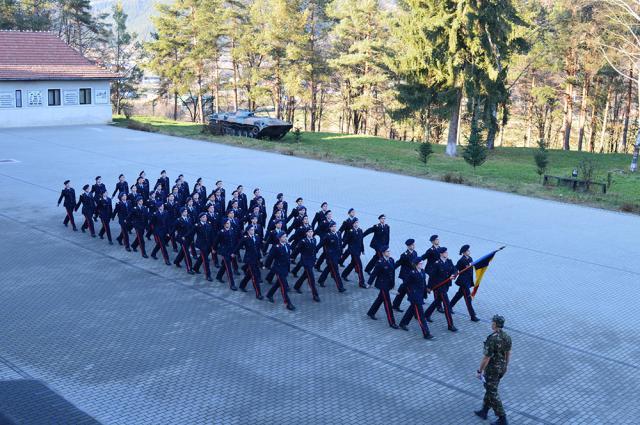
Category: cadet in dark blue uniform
<point>146,190</point>
<point>355,248</point>
<point>133,194</point>
<point>223,193</point>
<point>406,265</point>
<point>300,233</point>
<point>173,210</point>
<point>272,237</point>
<point>201,190</point>
<point>346,225</point>
<point>184,234</point>
<point>243,203</point>
<point>122,210</point>
<point>121,187</point>
<point>68,194</point>
<point>332,244</point>
<point>442,270</point>
<point>306,247</point>
<point>160,221</point>
<point>279,261</point>
<point>322,230</point>
<point>164,181</point>
<point>320,215</point>
<point>298,220</point>
<point>104,209</point>
<point>88,210</point>
<point>252,257</point>
<point>225,244</point>
<point>295,212</point>
<point>139,219</point>
<point>380,238</point>
<point>183,187</point>
<point>203,243</point>
<point>432,256</point>
<point>282,205</point>
<point>465,282</point>
<point>383,274</point>
<point>98,189</point>
<point>416,287</point>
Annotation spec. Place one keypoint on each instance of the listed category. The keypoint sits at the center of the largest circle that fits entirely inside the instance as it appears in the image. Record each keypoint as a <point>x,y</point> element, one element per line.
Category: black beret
<point>139,198</point>
<point>442,249</point>
<point>328,211</point>
<point>464,248</point>
<point>123,194</point>
<point>210,206</point>
<point>239,186</point>
<point>121,175</point>
<point>255,190</point>
<point>202,214</point>
<point>416,260</point>
<point>141,173</point>
<point>381,216</point>
<point>180,175</point>
<point>218,181</point>
<point>280,195</point>
<point>299,199</point>
<point>433,238</point>
<point>333,224</point>
<point>199,180</point>
<point>323,204</point>
<point>67,181</point>
<point>384,248</point>
<point>189,198</point>
<point>85,187</point>
<point>163,171</point>
<point>98,177</point>
<point>350,210</point>
<point>409,242</point>
<point>182,209</point>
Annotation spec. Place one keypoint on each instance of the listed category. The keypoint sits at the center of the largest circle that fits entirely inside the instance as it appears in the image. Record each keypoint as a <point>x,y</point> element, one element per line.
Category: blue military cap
<point>85,187</point>
<point>250,227</point>
<point>384,248</point>
<point>121,175</point>
<point>442,249</point>
<point>202,214</point>
<point>279,221</point>
<point>98,177</point>
<point>182,209</point>
<point>159,204</point>
<point>409,242</point>
<point>299,199</point>
<point>464,248</point>
<point>381,216</point>
<point>163,172</point>
<point>416,261</point>
<point>433,238</point>
<point>67,181</point>
<point>138,198</point>
<point>350,210</point>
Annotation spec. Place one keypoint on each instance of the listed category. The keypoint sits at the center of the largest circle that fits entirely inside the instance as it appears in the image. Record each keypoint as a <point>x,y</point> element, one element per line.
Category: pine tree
<point>475,153</point>
<point>541,157</point>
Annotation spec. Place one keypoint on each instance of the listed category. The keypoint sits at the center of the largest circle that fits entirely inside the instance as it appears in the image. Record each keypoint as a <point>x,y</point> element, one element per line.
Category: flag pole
<point>444,282</point>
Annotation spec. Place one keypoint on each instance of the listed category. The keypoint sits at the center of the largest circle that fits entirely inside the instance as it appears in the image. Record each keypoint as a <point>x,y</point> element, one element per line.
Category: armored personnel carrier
<point>247,124</point>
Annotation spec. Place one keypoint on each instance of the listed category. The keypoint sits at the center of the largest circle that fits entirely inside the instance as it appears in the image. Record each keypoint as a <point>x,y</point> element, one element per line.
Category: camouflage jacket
<point>497,345</point>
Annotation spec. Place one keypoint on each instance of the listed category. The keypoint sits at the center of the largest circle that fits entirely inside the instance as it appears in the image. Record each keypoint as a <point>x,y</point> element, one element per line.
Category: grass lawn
<point>507,169</point>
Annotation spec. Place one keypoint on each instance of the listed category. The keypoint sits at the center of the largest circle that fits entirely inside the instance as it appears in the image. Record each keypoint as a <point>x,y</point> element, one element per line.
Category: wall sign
<point>70,97</point>
<point>102,97</point>
<point>6,99</point>
<point>34,98</point>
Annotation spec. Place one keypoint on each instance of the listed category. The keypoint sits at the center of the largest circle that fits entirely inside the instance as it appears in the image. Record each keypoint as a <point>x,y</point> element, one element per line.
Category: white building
<point>43,81</point>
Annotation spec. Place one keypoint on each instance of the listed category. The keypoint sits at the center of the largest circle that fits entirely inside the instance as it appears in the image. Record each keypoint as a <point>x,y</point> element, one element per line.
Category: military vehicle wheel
<point>254,132</point>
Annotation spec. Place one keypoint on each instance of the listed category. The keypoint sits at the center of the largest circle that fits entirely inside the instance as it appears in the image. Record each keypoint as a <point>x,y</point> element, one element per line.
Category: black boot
<point>502,420</point>
<point>482,413</point>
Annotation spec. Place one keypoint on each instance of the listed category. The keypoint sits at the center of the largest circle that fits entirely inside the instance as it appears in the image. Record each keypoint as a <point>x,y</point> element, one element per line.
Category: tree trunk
<point>627,113</point>
<point>568,117</point>
<point>452,137</point>
<point>216,86</point>
<point>234,64</point>
<point>530,113</point>
<point>583,110</point>
<point>605,118</point>
<point>175,105</point>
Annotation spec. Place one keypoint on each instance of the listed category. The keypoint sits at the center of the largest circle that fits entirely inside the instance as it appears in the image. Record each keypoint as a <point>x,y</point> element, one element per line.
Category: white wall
<point>44,115</point>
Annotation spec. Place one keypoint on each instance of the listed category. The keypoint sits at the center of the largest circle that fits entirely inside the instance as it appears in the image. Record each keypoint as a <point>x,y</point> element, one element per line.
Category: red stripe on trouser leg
<point>226,268</point>
<point>186,257</point>
<point>446,310</point>
<point>467,299</point>
<point>333,273</point>
<point>205,263</point>
<point>138,240</point>
<point>387,306</point>
<point>424,331</point>
<point>358,267</point>
<point>253,280</point>
<point>284,297</point>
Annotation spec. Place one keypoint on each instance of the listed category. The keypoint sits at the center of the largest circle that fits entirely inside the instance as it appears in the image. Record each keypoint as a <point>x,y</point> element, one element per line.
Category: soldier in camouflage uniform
<point>497,352</point>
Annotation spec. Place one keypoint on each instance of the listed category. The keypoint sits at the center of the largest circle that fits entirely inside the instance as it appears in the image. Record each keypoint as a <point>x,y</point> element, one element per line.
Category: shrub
<point>297,135</point>
<point>453,178</point>
<point>137,125</point>
<point>424,152</point>
<point>541,157</point>
<point>475,153</point>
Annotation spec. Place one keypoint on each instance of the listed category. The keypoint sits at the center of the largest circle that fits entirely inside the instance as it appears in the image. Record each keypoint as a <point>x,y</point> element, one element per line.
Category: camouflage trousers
<point>491,396</point>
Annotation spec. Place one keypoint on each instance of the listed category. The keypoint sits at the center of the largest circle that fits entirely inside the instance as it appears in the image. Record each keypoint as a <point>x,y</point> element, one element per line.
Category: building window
<point>18,98</point>
<point>85,96</point>
<point>54,97</point>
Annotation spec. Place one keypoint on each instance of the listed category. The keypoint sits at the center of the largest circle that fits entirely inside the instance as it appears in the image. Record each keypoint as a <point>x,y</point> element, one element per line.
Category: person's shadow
<point>31,402</point>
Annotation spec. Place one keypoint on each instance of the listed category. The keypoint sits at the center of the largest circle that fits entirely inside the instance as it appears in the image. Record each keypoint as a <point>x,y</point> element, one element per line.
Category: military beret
<point>381,216</point>
<point>254,190</point>
<point>202,214</point>
<point>350,210</point>
<point>384,248</point>
<point>333,224</point>
<point>279,222</point>
<point>176,181</point>
<point>254,216</point>
<point>498,320</point>
<point>323,204</point>
<point>218,181</point>
<point>225,221</point>
<point>239,187</point>
<point>163,172</point>
<point>141,173</point>
<point>464,248</point>
<point>180,175</point>
<point>189,198</point>
<point>98,177</point>
<point>355,220</point>
<point>210,206</point>
<point>280,195</point>
<point>310,229</point>
<point>409,242</point>
<point>298,199</point>
<point>250,227</point>
<point>85,187</point>
<point>182,209</point>
<point>328,211</point>
<point>133,186</point>
<point>121,175</point>
<point>159,204</point>
<point>123,194</point>
<point>416,261</point>
<point>433,238</point>
<point>139,198</point>
<point>199,180</point>
<point>67,181</point>
<point>442,249</point>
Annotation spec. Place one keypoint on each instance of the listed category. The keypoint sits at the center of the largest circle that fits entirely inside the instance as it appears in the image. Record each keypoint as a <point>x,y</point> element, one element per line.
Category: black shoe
<point>237,273</point>
<point>475,319</point>
<point>167,263</point>
<point>363,286</point>
<point>135,249</point>
<point>316,298</point>
<point>342,290</point>
<point>128,249</point>
<point>321,284</point>
<point>243,289</point>
<point>191,272</point>
<point>403,327</point>
<point>298,291</point>
<point>260,297</point>
<point>270,299</point>
<point>394,326</point>
<point>177,265</point>
<point>294,274</point>
<point>196,271</point>
<point>119,241</point>
<point>110,243</point>
<point>219,280</point>
<point>101,237</point>
<point>318,269</point>
<point>233,287</point>
<point>145,256</point>
<point>502,420</point>
<point>290,307</point>
<point>453,329</point>
<point>372,317</point>
<point>75,229</point>
<point>429,319</point>
<point>93,236</point>
<point>428,336</point>
<point>482,413</point>
<point>209,279</point>
<point>398,309</point>
<point>154,257</point>
<point>345,278</point>
<point>83,230</point>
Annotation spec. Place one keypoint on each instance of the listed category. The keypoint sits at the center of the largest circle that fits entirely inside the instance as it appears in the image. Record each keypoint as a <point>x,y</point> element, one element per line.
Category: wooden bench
<point>574,183</point>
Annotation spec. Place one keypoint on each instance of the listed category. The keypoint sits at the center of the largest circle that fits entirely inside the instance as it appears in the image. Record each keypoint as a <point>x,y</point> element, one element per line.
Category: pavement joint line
<point>551,254</point>
<point>14,367</point>
<point>237,304</point>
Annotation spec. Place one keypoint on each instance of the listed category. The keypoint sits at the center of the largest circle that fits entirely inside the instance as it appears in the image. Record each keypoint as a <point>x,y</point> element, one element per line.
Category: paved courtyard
<point>93,334</point>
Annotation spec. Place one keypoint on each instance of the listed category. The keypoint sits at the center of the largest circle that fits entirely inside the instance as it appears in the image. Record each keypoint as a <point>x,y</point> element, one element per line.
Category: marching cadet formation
<point>207,229</point>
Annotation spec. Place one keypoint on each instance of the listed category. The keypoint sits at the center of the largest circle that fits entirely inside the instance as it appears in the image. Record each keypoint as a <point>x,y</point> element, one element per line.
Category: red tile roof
<point>26,55</point>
